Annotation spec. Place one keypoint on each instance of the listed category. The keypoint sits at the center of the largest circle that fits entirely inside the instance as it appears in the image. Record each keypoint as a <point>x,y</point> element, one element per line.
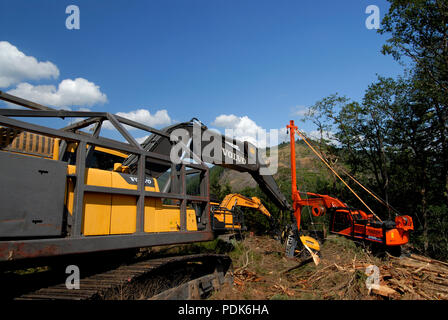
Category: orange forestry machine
<point>344,220</point>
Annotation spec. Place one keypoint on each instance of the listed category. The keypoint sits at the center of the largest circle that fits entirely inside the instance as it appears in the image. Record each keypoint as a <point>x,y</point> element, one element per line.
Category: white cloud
<point>283,135</point>
<point>226,121</point>
<point>15,66</point>
<point>158,119</point>
<point>142,139</point>
<point>327,135</point>
<point>300,111</point>
<point>242,128</point>
<point>245,129</point>
<point>78,92</point>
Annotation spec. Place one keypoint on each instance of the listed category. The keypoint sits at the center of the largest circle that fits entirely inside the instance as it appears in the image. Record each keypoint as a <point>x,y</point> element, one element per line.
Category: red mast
<point>294,192</point>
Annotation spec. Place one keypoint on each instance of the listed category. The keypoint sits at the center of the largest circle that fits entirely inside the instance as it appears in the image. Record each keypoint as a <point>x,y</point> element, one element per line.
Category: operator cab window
<point>341,221</point>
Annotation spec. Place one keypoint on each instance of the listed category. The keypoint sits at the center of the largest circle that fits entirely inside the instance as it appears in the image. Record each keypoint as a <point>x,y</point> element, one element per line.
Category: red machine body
<point>346,221</point>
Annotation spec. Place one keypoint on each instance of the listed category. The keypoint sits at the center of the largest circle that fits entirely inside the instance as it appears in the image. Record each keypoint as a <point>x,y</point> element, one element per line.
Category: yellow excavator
<point>71,190</point>
<point>226,217</point>
<point>103,214</point>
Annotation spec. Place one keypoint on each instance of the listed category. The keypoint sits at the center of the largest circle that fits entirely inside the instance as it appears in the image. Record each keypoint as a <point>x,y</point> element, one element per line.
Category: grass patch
<point>346,245</point>
<point>27,271</point>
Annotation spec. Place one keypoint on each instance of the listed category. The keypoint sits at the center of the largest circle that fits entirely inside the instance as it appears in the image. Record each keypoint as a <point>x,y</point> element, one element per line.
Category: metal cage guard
<point>75,242</point>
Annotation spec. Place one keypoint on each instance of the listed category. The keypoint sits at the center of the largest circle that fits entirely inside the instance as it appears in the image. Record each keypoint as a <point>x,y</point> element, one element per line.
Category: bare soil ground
<point>261,272</point>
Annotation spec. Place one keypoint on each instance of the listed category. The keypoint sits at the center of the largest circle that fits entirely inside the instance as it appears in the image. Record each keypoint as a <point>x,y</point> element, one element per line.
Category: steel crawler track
<point>103,285</point>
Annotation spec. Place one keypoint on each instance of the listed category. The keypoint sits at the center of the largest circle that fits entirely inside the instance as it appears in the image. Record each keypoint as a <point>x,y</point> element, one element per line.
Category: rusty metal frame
<point>75,242</point>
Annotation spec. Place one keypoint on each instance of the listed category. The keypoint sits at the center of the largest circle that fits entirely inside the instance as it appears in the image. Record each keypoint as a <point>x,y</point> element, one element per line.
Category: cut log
<point>422,266</point>
<point>424,295</point>
<point>402,286</point>
<point>432,287</point>
<point>442,296</point>
<point>383,290</point>
<point>425,259</point>
<point>438,280</point>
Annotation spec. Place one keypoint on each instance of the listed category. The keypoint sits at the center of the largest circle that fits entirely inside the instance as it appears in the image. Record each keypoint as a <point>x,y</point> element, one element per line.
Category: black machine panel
<point>32,194</point>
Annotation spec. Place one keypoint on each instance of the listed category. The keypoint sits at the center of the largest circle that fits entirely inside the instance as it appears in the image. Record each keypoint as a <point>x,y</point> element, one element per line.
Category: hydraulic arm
<point>234,199</point>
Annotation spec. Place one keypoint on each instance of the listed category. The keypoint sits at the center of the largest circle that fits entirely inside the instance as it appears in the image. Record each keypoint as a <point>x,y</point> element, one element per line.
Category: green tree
<point>395,139</point>
<point>365,130</point>
<point>419,32</point>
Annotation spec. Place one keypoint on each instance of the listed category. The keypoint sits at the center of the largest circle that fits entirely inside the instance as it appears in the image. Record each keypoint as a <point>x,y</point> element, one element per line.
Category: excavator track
<point>130,281</point>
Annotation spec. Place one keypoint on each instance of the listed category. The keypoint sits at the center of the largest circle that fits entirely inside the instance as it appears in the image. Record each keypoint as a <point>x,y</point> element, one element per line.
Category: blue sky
<point>204,58</point>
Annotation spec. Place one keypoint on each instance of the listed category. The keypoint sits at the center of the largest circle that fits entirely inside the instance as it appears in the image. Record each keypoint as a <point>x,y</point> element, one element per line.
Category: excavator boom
<point>234,199</point>
<point>234,154</point>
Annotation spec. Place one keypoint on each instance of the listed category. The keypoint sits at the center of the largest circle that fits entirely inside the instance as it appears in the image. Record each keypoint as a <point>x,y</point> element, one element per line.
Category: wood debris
<point>417,276</point>
<point>384,291</point>
<point>414,277</point>
<point>241,277</point>
<point>284,290</point>
<point>315,257</point>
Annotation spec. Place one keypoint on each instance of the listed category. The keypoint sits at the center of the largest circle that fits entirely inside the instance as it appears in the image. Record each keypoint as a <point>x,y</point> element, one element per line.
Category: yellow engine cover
<point>107,214</point>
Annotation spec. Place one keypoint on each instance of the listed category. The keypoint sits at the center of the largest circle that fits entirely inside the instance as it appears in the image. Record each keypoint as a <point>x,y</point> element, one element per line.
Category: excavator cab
<point>341,221</point>
<point>226,220</point>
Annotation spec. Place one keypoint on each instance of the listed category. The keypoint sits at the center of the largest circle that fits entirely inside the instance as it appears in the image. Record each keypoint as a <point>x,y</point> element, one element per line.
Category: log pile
<point>415,277</point>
